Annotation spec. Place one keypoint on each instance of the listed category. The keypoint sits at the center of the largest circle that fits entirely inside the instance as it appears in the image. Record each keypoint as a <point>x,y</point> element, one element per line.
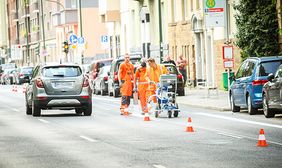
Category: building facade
<point>3,31</point>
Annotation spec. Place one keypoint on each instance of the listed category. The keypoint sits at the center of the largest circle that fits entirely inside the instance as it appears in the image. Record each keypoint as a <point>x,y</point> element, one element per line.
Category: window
<point>240,71</point>
<point>185,8</point>
<point>266,68</point>
<point>173,10</point>
<point>67,71</point>
<point>197,4</point>
<point>191,5</point>
<point>249,69</point>
<point>73,3</point>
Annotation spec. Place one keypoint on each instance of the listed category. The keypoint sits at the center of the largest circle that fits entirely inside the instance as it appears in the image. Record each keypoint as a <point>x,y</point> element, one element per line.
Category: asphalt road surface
<point>61,139</point>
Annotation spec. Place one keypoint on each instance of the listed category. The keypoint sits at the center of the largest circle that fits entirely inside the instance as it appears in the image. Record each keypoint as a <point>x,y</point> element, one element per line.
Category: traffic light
<point>37,49</point>
<point>66,46</point>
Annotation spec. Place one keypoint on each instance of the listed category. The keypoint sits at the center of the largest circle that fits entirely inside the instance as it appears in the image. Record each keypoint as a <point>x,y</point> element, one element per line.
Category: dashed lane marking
<point>17,110</point>
<point>229,135</point>
<point>44,121</point>
<point>159,166</point>
<point>87,138</point>
<point>241,120</point>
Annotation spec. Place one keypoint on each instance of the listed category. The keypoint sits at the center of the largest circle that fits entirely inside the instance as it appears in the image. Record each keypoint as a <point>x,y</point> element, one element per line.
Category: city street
<point>60,139</point>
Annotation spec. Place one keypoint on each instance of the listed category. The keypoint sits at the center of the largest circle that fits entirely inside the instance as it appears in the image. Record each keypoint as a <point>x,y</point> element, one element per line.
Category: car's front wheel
<point>232,105</point>
<point>268,113</point>
<point>251,109</point>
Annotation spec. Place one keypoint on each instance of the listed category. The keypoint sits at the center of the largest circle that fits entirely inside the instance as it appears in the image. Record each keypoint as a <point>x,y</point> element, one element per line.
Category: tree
<point>258,31</point>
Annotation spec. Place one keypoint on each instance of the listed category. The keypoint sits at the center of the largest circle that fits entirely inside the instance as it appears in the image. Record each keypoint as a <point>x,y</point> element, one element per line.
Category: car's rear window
<point>132,60</point>
<point>27,70</point>
<point>104,63</point>
<point>265,68</point>
<point>61,71</point>
<point>171,69</point>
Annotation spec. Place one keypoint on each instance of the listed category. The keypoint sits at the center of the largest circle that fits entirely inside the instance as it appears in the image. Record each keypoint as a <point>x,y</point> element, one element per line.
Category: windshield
<point>66,71</point>
<point>27,70</point>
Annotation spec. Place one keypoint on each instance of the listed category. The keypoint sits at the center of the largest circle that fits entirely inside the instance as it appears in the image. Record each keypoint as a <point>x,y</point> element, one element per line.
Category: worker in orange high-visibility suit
<point>126,77</point>
<point>154,72</point>
<point>141,81</point>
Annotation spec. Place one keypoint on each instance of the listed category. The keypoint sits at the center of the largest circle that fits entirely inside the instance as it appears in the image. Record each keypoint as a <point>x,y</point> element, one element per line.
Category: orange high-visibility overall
<point>141,77</point>
<point>154,76</point>
<point>126,74</point>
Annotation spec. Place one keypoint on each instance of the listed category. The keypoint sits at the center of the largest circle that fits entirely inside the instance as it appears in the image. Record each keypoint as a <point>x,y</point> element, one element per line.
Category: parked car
<point>272,94</point>
<point>58,86</point>
<point>8,77</point>
<point>180,81</point>
<point>113,83</point>
<point>95,68</point>
<point>101,82</point>
<point>246,89</point>
<point>23,74</point>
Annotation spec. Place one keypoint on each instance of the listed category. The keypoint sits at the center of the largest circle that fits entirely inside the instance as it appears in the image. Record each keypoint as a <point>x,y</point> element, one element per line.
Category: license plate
<point>63,84</point>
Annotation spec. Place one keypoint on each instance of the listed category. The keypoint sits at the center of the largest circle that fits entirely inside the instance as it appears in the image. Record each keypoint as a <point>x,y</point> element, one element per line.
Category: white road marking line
<point>229,135</point>
<point>241,120</point>
<point>87,138</point>
<point>44,121</point>
<point>159,166</point>
<point>16,110</point>
<point>110,99</point>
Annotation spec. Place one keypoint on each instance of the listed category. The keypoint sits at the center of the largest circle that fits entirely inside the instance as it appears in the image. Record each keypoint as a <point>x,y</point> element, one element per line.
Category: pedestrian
<point>168,60</point>
<point>126,77</point>
<point>182,66</point>
<point>141,81</point>
<point>154,72</point>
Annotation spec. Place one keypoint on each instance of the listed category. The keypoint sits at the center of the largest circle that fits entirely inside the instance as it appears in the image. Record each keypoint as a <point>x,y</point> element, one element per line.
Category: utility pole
<point>80,24</point>
<point>160,31</point>
<point>43,30</point>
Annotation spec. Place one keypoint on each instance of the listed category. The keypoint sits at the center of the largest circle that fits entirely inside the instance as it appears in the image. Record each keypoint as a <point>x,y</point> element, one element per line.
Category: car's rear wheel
<point>28,109</point>
<point>78,111</point>
<point>232,105</point>
<point>88,110</point>
<point>268,113</point>
<point>36,110</point>
<point>251,109</point>
<point>116,93</point>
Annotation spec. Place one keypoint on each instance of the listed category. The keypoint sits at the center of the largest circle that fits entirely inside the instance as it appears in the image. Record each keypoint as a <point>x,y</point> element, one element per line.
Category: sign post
<point>228,61</point>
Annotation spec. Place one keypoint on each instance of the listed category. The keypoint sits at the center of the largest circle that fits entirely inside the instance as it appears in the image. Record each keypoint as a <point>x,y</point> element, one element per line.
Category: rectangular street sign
<point>214,13</point>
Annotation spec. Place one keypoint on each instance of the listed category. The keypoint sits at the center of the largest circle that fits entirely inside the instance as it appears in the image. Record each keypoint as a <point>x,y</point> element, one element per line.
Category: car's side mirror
<point>108,73</point>
<point>270,77</point>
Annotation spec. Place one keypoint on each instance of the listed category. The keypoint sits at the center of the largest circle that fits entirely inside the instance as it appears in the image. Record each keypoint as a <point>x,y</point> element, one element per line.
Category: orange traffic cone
<point>24,89</point>
<point>262,140</point>
<point>189,127</point>
<point>147,117</point>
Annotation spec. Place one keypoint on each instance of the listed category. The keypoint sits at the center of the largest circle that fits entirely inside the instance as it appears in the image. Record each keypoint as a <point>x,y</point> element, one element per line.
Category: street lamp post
<point>80,24</point>
<point>27,33</point>
<point>43,30</point>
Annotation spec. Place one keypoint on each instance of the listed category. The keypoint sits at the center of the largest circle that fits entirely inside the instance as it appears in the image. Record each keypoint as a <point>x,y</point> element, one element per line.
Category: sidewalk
<point>199,98</point>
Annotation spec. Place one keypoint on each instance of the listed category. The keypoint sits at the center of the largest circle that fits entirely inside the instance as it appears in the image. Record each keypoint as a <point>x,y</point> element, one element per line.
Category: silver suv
<point>58,86</point>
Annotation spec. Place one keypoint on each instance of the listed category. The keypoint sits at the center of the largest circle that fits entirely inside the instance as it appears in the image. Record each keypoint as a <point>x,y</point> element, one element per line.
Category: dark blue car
<point>246,89</point>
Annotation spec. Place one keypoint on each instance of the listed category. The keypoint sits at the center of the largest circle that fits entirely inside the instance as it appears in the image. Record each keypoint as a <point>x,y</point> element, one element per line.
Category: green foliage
<point>257,25</point>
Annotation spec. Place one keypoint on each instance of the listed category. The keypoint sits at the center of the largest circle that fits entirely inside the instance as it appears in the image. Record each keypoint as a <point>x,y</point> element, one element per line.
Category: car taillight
<point>105,78</point>
<point>85,82</point>
<point>179,76</point>
<point>84,97</point>
<point>39,83</point>
<point>116,76</point>
<point>259,82</point>
<point>21,74</point>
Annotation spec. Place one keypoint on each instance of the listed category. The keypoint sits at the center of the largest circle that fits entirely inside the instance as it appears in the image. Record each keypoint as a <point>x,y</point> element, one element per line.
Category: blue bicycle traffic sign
<point>73,39</point>
<point>80,40</point>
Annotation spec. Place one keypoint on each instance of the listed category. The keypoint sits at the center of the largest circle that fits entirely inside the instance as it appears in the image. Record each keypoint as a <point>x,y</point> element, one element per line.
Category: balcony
<point>109,10</point>
<point>34,8</point>
<point>69,16</point>
<point>24,12</point>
